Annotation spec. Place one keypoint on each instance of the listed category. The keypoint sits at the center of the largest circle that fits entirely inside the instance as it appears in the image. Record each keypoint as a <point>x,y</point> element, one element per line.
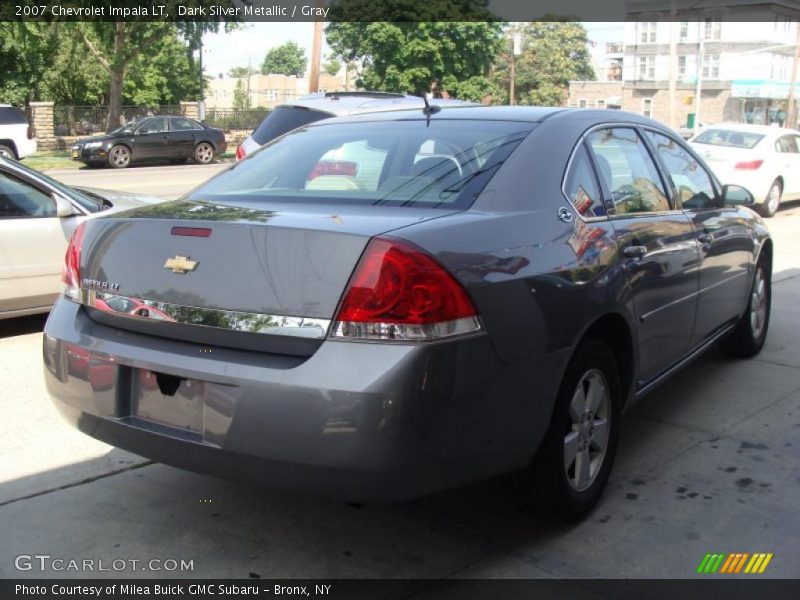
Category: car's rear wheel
<point>119,157</point>
<point>748,338</point>
<point>773,200</point>
<point>204,153</point>
<point>573,463</point>
<point>7,152</point>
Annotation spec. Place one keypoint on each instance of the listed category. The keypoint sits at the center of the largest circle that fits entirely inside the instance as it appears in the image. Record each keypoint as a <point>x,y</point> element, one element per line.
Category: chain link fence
<point>86,120</point>
<point>235,119</point>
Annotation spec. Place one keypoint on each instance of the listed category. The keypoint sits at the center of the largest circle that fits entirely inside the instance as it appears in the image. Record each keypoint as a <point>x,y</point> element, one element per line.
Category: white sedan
<point>762,158</point>
<point>37,218</point>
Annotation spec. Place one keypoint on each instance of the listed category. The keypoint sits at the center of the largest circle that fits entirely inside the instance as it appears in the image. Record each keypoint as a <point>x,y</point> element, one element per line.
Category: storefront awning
<point>761,88</point>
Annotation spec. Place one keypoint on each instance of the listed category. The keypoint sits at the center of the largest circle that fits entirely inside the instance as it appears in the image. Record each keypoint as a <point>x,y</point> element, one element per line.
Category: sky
<point>223,51</point>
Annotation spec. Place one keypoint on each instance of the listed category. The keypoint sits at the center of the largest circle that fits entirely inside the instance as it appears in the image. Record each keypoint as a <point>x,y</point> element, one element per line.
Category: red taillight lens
<point>240,152</point>
<point>748,165</point>
<point>71,276</point>
<point>333,167</point>
<point>398,292</point>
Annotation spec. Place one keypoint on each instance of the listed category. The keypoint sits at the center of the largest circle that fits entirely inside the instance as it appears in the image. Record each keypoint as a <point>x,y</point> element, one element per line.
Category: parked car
<point>485,298</point>
<point>324,105</point>
<point>37,217</point>
<point>17,139</point>
<point>176,139</point>
<point>765,159</point>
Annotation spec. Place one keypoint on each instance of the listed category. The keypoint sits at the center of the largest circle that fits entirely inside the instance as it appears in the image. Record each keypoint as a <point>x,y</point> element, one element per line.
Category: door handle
<point>634,251</point>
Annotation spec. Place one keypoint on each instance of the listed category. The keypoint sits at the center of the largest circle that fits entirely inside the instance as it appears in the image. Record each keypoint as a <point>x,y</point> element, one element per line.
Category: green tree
<point>27,50</point>
<point>241,99</point>
<point>242,71</point>
<point>418,57</point>
<point>553,53</point>
<point>286,59</point>
<point>332,66</point>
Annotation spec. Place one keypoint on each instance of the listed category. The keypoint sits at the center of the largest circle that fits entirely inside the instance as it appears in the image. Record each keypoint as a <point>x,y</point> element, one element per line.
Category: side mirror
<point>64,207</point>
<point>736,195</point>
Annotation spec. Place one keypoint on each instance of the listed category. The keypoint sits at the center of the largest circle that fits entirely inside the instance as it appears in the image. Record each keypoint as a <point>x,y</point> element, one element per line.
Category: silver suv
<point>324,105</point>
<point>16,135</point>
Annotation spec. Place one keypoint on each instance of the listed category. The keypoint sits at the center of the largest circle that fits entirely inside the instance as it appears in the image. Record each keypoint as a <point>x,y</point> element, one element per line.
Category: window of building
<point>582,103</point>
<point>627,169</point>
<point>713,29</point>
<point>647,32</point>
<point>684,33</point>
<point>600,104</point>
<point>711,66</point>
<point>681,68</point>
<point>647,107</point>
<point>647,67</point>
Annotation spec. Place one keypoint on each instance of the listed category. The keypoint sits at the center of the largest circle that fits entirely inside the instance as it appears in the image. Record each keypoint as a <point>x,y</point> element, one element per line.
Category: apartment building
<point>744,70</point>
<point>267,90</point>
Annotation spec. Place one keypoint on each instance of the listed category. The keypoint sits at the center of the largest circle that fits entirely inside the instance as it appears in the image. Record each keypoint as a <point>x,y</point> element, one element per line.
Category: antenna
<point>429,109</point>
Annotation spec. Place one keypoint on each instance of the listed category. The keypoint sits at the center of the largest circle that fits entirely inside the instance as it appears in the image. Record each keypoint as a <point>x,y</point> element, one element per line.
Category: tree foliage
<point>241,99</point>
<point>332,66</point>
<point>286,59</point>
<point>553,54</point>
<point>242,71</point>
<point>419,57</point>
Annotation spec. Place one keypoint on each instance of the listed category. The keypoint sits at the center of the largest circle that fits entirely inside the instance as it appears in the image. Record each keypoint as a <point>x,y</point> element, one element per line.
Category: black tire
<point>204,153</point>
<point>544,488</point>
<point>119,157</point>
<point>7,151</point>
<point>771,203</point>
<point>748,338</point>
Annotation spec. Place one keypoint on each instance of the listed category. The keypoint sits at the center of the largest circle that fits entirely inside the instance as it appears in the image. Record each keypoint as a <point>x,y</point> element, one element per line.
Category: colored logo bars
<point>737,562</point>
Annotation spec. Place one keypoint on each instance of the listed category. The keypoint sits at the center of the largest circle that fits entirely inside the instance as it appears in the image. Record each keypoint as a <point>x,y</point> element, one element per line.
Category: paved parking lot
<point>708,463</point>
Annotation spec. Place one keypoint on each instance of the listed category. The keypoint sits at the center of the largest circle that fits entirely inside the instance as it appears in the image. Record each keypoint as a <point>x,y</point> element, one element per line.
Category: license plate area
<point>168,400</point>
<point>76,153</point>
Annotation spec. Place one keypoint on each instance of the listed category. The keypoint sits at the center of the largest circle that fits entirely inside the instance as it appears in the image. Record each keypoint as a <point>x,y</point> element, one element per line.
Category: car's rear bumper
<point>358,421</point>
<point>26,147</point>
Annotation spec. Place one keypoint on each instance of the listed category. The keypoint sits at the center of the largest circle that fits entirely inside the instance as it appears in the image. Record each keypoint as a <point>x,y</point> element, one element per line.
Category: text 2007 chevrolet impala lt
<point>383,306</point>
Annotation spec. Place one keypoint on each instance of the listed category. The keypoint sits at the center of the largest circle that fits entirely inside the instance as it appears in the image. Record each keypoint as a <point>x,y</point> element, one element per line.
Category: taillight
<point>398,292</point>
<point>748,165</point>
<point>240,152</point>
<point>71,275</point>
<point>333,167</point>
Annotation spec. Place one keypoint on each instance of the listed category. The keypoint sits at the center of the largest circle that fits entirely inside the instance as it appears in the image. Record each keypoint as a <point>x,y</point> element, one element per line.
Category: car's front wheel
<point>204,153</point>
<point>750,333</point>
<point>119,157</point>
<point>773,200</point>
<point>574,461</point>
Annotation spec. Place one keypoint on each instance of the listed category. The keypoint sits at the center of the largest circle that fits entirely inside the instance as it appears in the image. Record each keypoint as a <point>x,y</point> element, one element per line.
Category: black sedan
<point>405,302</point>
<point>175,139</point>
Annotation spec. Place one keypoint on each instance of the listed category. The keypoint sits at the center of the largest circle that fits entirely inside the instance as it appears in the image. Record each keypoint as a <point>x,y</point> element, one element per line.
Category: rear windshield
<point>283,119</point>
<point>441,163</point>
<point>11,116</point>
<point>727,137</point>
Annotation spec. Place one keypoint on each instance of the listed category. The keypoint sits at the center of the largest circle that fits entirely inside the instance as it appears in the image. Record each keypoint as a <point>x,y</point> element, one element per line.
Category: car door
<point>150,140</point>
<point>183,136</point>
<point>656,247</point>
<point>33,241</point>
<point>786,165</point>
<point>723,236</point>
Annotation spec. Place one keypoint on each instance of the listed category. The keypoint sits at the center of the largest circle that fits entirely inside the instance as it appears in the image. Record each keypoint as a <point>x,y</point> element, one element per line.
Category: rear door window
<point>283,119</point>
<point>181,124</point>
<point>628,171</point>
<point>10,115</point>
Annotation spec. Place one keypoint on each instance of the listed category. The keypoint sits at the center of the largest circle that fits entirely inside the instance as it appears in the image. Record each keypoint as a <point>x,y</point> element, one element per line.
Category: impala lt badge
<point>181,264</point>
<point>100,285</point>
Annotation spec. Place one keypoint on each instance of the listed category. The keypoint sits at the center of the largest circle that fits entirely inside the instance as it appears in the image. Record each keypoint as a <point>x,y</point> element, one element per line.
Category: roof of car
<point>347,103</point>
<point>748,128</point>
<point>465,112</point>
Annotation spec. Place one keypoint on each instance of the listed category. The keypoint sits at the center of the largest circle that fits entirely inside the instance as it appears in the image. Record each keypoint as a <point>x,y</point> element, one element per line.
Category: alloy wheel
<point>586,441</point>
<point>774,198</point>
<point>120,157</point>
<point>204,153</point>
<point>758,304</point>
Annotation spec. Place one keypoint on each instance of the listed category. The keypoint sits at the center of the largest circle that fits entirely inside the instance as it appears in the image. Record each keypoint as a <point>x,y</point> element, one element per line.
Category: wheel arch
<point>11,144</point>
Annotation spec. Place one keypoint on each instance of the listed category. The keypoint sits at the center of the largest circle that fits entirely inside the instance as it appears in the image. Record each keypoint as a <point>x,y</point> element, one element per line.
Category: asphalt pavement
<point>707,463</point>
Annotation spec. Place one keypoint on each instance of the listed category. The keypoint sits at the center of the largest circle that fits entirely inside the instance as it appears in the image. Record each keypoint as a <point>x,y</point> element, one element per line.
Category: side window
<point>786,144</point>
<point>628,171</point>
<point>581,186</point>
<point>694,185</point>
<point>157,125</point>
<point>20,199</point>
<point>183,125</point>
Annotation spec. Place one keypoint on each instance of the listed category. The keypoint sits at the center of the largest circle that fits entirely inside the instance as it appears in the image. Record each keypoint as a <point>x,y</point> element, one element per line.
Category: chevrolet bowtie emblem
<point>181,264</point>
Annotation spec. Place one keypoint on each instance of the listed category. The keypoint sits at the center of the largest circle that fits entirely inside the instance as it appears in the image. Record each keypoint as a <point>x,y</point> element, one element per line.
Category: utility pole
<point>673,11</point>
<point>791,105</point>
<point>316,51</point>
<point>516,50</point>
<point>201,105</point>
<point>698,87</point>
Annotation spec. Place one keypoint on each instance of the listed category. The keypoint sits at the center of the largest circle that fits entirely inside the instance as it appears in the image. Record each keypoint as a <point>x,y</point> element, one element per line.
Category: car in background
<point>17,137</point>
<point>324,105</point>
<point>765,159</point>
<point>37,217</point>
<point>483,296</point>
<point>157,138</point>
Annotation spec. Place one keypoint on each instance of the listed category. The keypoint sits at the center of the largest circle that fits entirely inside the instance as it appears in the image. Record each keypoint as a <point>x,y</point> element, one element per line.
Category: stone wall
<point>42,121</point>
